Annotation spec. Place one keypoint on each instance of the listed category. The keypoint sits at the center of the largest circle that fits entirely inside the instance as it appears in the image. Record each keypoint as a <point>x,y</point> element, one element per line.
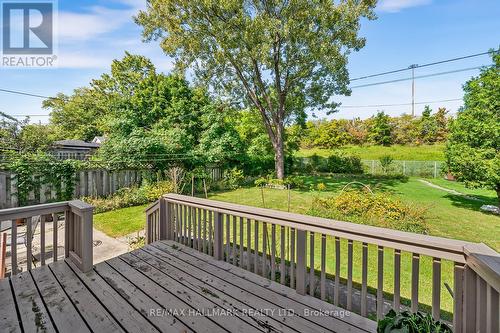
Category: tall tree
<point>473,148</point>
<point>282,57</point>
<point>381,129</point>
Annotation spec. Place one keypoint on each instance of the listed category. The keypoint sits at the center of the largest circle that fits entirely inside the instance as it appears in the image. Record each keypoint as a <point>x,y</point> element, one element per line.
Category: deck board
<point>135,291</point>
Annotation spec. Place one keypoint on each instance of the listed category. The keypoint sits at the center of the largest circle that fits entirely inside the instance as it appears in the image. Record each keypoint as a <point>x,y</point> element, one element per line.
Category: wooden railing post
<point>87,240</point>
<point>164,219</point>
<point>218,237</point>
<point>301,262</point>
<point>79,235</point>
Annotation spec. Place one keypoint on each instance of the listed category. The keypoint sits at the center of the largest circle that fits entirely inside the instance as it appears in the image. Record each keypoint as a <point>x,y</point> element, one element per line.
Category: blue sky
<point>92,33</point>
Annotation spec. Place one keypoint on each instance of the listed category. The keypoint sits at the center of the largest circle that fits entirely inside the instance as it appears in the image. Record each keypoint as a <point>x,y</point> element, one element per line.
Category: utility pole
<point>412,67</point>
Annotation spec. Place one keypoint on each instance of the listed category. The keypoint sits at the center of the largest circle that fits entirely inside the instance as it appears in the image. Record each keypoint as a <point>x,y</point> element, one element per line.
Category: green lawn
<point>398,152</point>
<point>121,222</point>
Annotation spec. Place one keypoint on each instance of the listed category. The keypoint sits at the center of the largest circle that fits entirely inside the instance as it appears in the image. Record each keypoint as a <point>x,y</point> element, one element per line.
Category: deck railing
<point>77,232</point>
<point>284,247</point>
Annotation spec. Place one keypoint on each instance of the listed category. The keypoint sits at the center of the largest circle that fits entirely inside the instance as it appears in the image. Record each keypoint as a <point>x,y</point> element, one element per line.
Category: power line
<point>417,77</point>
<point>26,94</point>
<point>424,65</point>
<point>400,104</point>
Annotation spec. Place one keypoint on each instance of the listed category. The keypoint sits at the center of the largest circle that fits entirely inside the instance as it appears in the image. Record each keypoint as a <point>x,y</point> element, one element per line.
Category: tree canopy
<point>280,57</point>
<point>473,149</point>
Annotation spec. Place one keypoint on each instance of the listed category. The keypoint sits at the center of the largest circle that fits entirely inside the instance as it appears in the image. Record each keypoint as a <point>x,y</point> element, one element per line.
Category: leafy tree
<point>333,134</point>
<point>473,148</point>
<point>442,124</point>
<point>35,137</point>
<point>280,57</point>
<point>381,129</point>
<point>404,129</point>
<point>427,126</point>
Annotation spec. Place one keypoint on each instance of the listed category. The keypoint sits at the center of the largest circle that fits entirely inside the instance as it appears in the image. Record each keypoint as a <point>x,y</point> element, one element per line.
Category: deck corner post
<point>218,237</point>
<point>87,241</point>
<point>301,262</point>
<point>165,224</point>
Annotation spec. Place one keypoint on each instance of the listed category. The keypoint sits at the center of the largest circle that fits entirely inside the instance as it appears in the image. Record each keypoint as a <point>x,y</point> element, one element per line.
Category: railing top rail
<point>423,244</point>
<point>485,262</point>
<point>152,206</point>
<point>48,208</point>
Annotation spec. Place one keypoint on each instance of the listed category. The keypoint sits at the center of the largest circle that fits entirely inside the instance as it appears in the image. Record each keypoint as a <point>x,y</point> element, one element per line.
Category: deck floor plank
<point>272,290</point>
<point>33,314</point>
<point>64,315</point>
<point>247,291</point>
<point>96,316</point>
<point>179,304</point>
<point>9,322</point>
<point>138,299</point>
<point>198,300</point>
<point>128,316</point>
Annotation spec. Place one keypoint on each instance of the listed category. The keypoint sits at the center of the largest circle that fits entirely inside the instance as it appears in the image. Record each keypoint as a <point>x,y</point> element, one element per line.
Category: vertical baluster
<point>182,209</point>
<point>241,242</point>
<point>415,266</point>
<point>205,240</point>
<point>55,228</point>
<point>249,244</point>
<point>256,248</point>
<point>228,237</point>
<point>273,252</point>
<point>470,299</point>
<point>364,279</point>
<point>29,233</point>
<point>436,288</point>
<point>13,247</point>
<point>201,240</point>
<point>282,256</point>
<point>292,259</point>
<point>337,272</point>
<point>492,310</point>
<point>189,223</point>
<point>210,233</point>
<point>311,264</point>
<point>397,280</point>
<point>42,239</point>
<point>480,304</point>
<point>323,268</point>
<point>301,262</point>
<point>349,274</point>
<point>264,249</point>
<point>177,223</point>
<point>458,296</point>
<point>195,228</point>
<point>380,283</point>
<point>235,257</point>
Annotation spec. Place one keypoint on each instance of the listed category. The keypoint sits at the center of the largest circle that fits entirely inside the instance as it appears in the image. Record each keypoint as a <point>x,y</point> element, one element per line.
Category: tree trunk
<point>279,158</point>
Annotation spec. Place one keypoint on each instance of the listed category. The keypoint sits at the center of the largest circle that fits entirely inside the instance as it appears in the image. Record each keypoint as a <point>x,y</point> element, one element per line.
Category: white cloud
<point>393,6</point>
<point>98,21</point>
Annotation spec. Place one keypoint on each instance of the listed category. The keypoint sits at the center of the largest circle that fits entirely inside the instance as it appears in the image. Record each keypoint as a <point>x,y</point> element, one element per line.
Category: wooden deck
<point>163,287</point>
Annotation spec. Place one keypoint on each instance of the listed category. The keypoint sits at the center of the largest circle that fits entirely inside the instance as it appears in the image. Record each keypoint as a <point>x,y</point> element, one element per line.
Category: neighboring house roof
<point>75,144</point>
<point>99,139</point>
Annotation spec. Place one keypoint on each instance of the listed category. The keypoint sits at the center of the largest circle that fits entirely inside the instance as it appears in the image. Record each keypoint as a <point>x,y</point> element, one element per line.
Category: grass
<point>121,222</point>
<point>398,152</point>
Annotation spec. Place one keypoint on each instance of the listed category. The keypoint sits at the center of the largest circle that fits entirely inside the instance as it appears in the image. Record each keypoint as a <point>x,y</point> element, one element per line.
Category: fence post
<point>218,237</point>
<point>13,191</point>
<point>435,169</point>
<point>301,262</point>
<point>404,168</point>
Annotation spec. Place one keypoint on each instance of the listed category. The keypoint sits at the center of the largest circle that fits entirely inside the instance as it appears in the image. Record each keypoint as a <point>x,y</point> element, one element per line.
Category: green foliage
<point>473,148</point>
<point>386,162</point>
<point>341,163</point>
<point>377,209</point>
<point>282,64</point>
<point>409,322</point>
<point>233,178</point>
<point>381,129</point>
<point>33,170</point>
<point>128,197</point>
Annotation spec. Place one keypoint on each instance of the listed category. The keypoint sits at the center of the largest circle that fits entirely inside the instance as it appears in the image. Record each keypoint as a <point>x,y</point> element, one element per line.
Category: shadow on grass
<point>473,204</point>
<point>336,182</point>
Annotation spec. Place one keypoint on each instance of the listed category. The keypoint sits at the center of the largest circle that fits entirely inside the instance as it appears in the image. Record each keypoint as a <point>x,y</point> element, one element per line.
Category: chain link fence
<point>427,169</point>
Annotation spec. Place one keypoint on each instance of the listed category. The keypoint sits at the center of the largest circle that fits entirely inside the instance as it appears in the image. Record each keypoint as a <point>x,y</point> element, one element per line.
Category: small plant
<point>234,177</point>
<point>136,242</point>
<point>411,323</point>
<point>321,187</point>
<point>386,163</point>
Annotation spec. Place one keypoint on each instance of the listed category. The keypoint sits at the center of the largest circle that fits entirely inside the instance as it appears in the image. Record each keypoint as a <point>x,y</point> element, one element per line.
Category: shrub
<point>379,209</point>
<point>233,178</point>
<point>386,162</point>
<point>344,164</point>
<point>128,197</point>
<point>411,323</point>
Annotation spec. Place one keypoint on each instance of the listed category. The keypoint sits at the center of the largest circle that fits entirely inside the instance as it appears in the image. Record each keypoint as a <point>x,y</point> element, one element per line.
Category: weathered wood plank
<point>34,315</point>
<point>63,313</point>
<point>9,322</point>
<point>96,301</point>
<point>160,298</point>
<point>272,291</point>
<point>164,279</point>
